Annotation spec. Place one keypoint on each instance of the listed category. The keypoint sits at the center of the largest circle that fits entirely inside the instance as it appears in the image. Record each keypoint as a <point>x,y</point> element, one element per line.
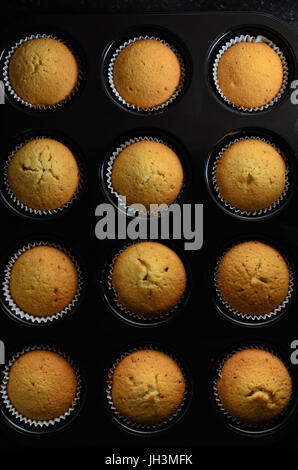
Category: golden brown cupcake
<point>43,281</point>
<point>147,387</point>
<point>249,74</point>
<point>253,278</point>
<point>43,72</point>
<point>250,175</point>
<point>43,174</point>
<point>254,386</point>
<point>42,385</point>
<point>149,278</point>
<point>147,172</point>
<point>146,73</point>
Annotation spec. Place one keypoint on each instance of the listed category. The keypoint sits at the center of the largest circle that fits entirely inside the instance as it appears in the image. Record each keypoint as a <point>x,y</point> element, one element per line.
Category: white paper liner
<point>228,416</point>
<point>131,210</point>
<point>132,106</point>
<point>144,427</point>
<point>259,212</point>
<point>9,87</point>
<point>277,311</point>
<point>33,319</point>
<point>32,422</point>
<point>28,209</point>
<point>147,319</point>
<point>248,38</point>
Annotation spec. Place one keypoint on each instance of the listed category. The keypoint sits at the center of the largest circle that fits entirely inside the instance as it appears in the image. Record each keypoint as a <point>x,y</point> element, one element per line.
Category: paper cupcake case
<point>146,428</point>
<point>26,210</point>
<point>271,426</point>
<point>27,424</point>
<point>248,38</point>
<point>267,210</point>
<point>132,315</point>
<point>137,108</point>
<point>253,319</point>
<point>17,312</point>
<point>108,175</point>
<point>5,73</point>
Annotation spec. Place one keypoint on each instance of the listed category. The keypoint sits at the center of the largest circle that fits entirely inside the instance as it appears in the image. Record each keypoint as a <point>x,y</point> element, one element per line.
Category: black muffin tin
<point>95,123</point>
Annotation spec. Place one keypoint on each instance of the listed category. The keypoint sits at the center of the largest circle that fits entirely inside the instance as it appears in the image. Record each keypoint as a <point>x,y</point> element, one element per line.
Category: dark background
<point>285,10</point>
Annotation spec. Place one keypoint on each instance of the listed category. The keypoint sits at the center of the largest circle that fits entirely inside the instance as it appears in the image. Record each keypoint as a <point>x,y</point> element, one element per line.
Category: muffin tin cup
<point>254,430</point>
<point>261,212</point>
<point>9,88</point>
<point>121,100</point>
<point>22,423</point>
<point>132,317</point>
<point>145,429</point>
<point>247,319</point>
<point>15,312</point>
<point>23,208</point>
<point>132,211</point>
<point>249,38</point>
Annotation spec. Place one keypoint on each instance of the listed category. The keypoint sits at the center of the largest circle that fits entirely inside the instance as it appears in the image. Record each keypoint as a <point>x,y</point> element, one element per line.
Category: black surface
<point>93,336</point>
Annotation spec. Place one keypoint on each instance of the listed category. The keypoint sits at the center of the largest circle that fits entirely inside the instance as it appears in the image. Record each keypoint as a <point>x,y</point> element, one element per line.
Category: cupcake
<point>253,278</point>
<point>43,72</point>
<point>250,74</point>
<point>254,386</point>
<point>149,279</point>
<point>43,174</point>
<point>148,387</point>
<point>250,175</point>
<point>43,281</point>
<point>146,73</point>
<point>147,172</point>
<point>42,385</point>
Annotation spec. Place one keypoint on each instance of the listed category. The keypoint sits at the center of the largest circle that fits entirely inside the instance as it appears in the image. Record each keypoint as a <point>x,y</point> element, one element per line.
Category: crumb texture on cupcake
<point>149,278</point>
<point>250,75</point>
<point>43,72</point>
<point>147,172</point>
<point>147,387</point>
<point>146,73</point>
<point>254,386</point>
<point>253,278</point>
<point>42,385</point>
<point>250,175</point>
<point>43,174</point>
<point>43,281</point>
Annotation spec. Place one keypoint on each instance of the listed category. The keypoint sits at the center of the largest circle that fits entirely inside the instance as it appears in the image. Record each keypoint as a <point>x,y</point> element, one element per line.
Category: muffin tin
<point>94,122</point>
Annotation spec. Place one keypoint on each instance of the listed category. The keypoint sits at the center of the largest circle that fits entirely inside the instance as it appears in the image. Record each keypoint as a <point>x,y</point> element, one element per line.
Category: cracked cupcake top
<point>147,387</point>
<point>43,174</point>
<point>43,72</point>
<point>43,281</point>
<point>254,386</point>
<point>253,278</point>
<point>250,175</point>
<point>149,278</point>
<point>147,172</point>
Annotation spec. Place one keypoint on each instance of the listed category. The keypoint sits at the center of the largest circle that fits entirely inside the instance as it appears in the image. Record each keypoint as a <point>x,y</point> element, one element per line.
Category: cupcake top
<point>147,387</point>
<point>42,385</point>
<point>149,278</point>
<point>250,74</point>
<point>147,172</point>
<point>250,175</point>
<point>253,278</point>
<point>43,72</point>
<point>254,386</point>
<point>43,174</point>
<point>146,73</point>
<point>43,281</point>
